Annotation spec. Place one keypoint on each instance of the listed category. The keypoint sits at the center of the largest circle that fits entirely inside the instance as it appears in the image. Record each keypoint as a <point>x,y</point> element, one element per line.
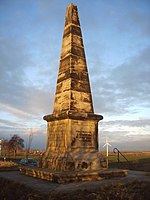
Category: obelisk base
<point>77,160</point>
<point>72,176</point>
<point>72,142</point>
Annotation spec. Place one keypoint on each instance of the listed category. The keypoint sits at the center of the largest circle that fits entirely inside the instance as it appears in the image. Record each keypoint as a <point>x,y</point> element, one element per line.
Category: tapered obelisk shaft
<point>73,88</point>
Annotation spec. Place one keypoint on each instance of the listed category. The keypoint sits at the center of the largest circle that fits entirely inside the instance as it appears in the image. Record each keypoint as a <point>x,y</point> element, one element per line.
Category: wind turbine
<point>107,145</point>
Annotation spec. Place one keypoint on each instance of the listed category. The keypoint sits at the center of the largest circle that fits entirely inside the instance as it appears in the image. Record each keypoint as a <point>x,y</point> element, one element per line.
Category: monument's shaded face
<point>72,129</point>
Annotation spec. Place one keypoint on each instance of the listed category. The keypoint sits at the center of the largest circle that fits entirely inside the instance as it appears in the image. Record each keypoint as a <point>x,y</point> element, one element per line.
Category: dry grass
<point>131,191</point>
<point>7,164</point>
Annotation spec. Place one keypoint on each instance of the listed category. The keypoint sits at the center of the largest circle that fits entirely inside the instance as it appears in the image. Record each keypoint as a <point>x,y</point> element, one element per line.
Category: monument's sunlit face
<point>75,15</point>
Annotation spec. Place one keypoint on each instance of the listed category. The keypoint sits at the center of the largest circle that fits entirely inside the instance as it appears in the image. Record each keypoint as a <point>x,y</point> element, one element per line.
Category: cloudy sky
<point>116,35</point>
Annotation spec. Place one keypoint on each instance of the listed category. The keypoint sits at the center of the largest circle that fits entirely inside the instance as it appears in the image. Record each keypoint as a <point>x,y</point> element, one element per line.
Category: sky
<point>116,36</point>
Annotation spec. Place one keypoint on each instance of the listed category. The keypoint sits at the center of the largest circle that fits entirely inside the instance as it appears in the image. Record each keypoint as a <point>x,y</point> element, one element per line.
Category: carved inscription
<point>82,138</point>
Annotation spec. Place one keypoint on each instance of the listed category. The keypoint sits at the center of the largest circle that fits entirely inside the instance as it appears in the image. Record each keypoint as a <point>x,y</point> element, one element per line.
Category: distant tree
<point>16,143</point>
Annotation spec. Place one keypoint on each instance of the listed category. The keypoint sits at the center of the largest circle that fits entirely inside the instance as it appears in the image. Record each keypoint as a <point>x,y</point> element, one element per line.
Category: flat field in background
<point>137,160</point>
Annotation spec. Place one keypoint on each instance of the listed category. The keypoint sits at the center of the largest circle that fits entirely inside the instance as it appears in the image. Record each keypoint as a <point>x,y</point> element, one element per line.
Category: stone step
<point>73,176</point>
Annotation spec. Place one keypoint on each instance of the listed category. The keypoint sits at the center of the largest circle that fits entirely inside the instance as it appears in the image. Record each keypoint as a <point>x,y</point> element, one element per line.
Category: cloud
<point>39,134</point>
<point>18,94</point>
<point>134,123</point>
<point>124,86</point>
<point>7,123</point>
<point>124,139</point>
<point>126,134</point>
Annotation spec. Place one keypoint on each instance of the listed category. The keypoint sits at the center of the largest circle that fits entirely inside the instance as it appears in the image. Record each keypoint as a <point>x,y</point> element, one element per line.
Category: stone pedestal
<point>72,142</point>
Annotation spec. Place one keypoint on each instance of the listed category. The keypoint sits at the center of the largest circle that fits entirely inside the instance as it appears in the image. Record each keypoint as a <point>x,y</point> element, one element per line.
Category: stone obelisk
<point>72,128</point>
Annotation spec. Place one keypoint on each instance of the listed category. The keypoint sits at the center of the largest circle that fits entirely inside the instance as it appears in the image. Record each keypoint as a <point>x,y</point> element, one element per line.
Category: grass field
<point>131,156</point>
<point>137,160</point>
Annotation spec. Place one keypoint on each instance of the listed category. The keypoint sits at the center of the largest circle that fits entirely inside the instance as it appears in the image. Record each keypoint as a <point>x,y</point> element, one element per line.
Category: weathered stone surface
<point>60,136</point>
<point>67,177</point>
<point>73,73</point>
<point>72,129</point>
<point>72,115</point>
<point>72,29</point>
<point>72,15</point>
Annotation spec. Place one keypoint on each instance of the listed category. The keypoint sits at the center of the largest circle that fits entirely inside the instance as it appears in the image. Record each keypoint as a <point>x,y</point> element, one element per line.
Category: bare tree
<point>16,143</point>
